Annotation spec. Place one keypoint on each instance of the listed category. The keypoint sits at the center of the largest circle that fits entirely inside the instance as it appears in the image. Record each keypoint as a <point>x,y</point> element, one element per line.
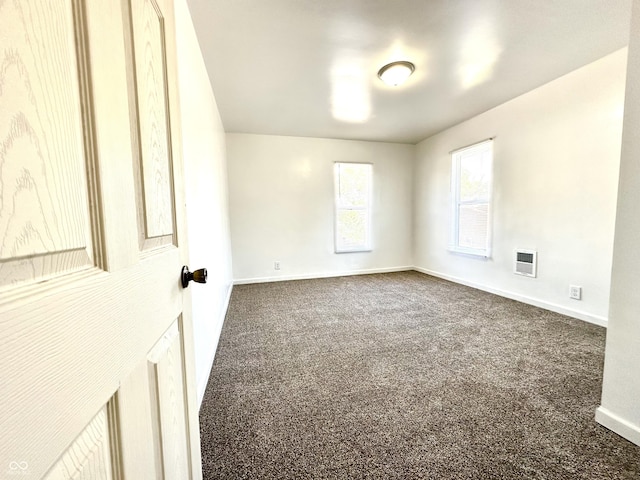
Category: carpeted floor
<point>404,375</point>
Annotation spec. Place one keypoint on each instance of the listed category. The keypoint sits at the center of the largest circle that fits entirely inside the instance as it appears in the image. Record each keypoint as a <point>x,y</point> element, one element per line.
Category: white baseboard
<point>307,276</point>
<point>202,384</point>
<point>580,315</point>
<point>618,425</point>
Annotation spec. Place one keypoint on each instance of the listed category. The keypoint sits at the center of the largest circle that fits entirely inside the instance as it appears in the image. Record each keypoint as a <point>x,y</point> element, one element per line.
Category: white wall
<point>556,160</point>
<point>281,206</point>
<point>620,408</point>
<point>206,196</point>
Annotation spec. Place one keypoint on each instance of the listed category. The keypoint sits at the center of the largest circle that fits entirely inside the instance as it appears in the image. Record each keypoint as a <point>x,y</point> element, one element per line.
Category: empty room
<point>470,343</point>
<point>295,239</point>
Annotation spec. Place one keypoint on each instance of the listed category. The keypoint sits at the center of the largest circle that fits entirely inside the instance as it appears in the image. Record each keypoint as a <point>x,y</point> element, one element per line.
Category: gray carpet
<point>404,375</point>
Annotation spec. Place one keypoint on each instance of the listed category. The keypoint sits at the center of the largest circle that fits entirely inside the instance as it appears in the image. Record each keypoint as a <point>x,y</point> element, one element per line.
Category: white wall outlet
<point>276,265</point>
<point>575,292</point>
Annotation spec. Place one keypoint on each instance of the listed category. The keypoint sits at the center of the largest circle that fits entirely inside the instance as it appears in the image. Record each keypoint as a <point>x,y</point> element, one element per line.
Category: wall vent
<point>526,262</point>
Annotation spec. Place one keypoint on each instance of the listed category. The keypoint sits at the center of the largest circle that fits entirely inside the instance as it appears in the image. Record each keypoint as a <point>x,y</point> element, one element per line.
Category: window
<point>353,207</point>
<point>471,193</point>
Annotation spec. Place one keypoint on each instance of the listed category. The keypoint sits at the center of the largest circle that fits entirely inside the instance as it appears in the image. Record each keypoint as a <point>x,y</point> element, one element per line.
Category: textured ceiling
<point>309,67</point>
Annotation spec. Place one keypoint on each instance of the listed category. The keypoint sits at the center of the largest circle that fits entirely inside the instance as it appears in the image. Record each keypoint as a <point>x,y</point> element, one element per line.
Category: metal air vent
<point>526,262</point>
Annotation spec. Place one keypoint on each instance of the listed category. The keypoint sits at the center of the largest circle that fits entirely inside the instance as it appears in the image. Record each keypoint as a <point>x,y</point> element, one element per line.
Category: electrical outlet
<point>575,292</point>
<point>276,265</point>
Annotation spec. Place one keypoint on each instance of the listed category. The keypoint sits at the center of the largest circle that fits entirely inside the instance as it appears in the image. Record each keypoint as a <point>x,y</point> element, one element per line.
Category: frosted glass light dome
<point>396,73</point>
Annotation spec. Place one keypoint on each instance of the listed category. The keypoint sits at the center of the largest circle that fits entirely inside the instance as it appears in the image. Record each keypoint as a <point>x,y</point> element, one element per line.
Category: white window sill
<point>354,250</point>
<point>470,252</point>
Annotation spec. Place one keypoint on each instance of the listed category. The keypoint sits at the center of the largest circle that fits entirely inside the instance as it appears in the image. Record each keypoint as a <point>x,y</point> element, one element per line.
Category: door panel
<point>167,384</point>
<point>151,405</point>
<point>138,425</point>
<point>82,310</point>
<point>44,214</point>
<point>89,458</point>
<point>153,122</point>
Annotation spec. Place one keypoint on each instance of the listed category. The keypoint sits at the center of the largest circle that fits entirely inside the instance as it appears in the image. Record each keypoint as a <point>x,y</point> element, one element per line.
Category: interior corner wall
<point>620,407</point>
<point>555,174</point>
<point>203,141</point>
<point>282,206</point>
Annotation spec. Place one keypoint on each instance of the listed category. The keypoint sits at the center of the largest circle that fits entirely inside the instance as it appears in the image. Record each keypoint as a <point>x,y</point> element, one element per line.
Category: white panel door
<point>96,346</point>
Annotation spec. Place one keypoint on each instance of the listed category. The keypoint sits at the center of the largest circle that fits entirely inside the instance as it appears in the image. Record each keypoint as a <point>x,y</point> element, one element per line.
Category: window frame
<point>337,207</point>
<point>456,157</point>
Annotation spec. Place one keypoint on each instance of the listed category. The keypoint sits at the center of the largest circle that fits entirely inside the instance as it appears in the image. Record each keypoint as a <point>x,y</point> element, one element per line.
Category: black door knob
<point>199,276</point>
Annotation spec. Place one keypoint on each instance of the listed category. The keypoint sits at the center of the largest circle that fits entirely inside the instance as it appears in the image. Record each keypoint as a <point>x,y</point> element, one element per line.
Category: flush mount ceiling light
<point>395,73</point>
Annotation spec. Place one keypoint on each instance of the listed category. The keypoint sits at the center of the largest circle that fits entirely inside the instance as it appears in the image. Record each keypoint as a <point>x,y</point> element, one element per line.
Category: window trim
<point>456,156</point>
<point>336,208</point>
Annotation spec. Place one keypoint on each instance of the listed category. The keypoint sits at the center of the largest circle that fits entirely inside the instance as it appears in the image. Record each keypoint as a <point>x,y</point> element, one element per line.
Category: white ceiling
<point>309,67</point>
